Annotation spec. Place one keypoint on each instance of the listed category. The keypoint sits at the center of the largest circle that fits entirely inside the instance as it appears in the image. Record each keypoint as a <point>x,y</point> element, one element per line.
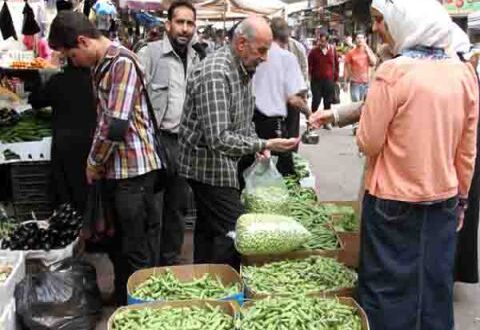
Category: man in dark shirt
<point>323,67</point>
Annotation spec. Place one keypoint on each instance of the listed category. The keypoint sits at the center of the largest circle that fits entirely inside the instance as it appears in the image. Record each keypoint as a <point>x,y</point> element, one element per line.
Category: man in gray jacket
<point>168,63</point>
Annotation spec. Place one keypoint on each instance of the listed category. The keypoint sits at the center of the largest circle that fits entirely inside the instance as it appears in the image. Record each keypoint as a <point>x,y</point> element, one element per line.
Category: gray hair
<point>245,29</point>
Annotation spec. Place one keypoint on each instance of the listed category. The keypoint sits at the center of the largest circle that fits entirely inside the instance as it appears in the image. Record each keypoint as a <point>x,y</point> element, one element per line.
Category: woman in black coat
<point>70,94</point>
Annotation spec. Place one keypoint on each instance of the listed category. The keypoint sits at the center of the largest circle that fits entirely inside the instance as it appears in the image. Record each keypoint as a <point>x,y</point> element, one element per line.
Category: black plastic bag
<point>65,298</point>
<point>97,224</point>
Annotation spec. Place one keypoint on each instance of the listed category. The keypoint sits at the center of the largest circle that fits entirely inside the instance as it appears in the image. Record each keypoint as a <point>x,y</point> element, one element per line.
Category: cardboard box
<point>229,307</point>
<point>344,300</point>
<point>342,292</point>
<point>187,273</point>
<point>350,255</point>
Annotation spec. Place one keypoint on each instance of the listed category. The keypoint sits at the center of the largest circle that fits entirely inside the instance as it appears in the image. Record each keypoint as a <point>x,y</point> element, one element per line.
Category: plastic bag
<point>65,298</point>
<point>258,234</point>
<point>96,222</point>
<point>265,190</point>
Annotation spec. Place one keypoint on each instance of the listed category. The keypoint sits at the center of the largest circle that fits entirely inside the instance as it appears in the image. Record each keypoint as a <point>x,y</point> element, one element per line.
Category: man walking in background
<point>323,64</point>
<point>278,83</point>
<point>168,63</point>
<point>358,62</point>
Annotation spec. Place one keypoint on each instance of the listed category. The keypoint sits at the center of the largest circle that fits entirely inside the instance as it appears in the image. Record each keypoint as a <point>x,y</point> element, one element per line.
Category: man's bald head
<point>251,41</point>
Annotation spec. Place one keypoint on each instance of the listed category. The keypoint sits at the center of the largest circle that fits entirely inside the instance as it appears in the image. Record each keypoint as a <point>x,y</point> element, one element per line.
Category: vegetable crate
<point>30,190</point>
<point>343,300</point>
<point>226,274</point>
<point>251,294</point>
<point>25,151</point>
<point>8,317</point>
<point>229,307</point>
<point>15,260</point>
<point>350,254</point>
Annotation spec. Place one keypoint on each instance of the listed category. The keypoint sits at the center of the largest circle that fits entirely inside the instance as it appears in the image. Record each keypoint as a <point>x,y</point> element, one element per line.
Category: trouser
<point>406,264</point>
<point>358,91</point>
<point>322,89</point>
<point>293,124</point>
<point>174,209</point>
<point>137,216</point>
<point>218,209</point>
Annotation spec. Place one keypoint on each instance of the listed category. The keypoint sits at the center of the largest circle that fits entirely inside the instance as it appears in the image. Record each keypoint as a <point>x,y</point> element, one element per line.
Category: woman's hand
<point>320,118</point>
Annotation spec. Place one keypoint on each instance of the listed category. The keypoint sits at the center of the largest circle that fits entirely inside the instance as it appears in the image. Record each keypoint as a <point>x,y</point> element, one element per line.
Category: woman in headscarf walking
<point>418,130</point>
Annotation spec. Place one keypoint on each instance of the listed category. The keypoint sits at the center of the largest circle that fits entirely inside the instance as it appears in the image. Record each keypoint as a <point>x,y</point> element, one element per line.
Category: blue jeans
<point>406,264</point>
<point>358,91</point>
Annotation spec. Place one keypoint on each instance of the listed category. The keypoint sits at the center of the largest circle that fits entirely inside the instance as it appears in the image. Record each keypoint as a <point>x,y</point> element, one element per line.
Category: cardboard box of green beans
<point>311,274</point>
<point>175,315</point>
<point>347,226</point>
<point>303,312</point>
<point>220,282</point>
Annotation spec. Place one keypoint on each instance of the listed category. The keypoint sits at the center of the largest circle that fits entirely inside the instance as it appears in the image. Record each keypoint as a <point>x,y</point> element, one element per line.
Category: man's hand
<point>345,87</point>
<point>299,103</point>
<point>94,174</point>
<point>461,217</point>
<point>264,154</point>
<point>320,118</point>
<point>282,145</point>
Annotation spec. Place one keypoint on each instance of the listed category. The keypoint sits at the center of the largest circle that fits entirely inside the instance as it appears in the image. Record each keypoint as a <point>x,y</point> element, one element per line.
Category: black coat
<point>467,245</point>
<point>70,94</point>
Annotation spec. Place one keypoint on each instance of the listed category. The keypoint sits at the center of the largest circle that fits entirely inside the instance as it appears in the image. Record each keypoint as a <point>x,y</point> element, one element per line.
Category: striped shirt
<point>216,127</point>
<point>120,97</point>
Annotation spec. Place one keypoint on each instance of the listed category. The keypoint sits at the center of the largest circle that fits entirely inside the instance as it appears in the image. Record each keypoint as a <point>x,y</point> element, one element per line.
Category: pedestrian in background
<point>216,131</point>
<point>358,62</point>
<point>168,62</point>
<point>419,137</point>
<point>323,70</point>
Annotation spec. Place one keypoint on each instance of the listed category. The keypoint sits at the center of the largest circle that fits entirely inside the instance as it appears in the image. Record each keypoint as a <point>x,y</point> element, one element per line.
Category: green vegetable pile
<point>266,200</point>
<point>167,286</point>
<point>345,217</point>
<point>300,276</point>
<point>31,126</point>
<point>314,218</point>
<point>301,313</point>
<point>269,234</point>
<point>170,318</point>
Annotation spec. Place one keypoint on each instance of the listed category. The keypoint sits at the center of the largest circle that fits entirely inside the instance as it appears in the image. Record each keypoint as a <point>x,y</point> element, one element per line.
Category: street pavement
<point>338,167</point>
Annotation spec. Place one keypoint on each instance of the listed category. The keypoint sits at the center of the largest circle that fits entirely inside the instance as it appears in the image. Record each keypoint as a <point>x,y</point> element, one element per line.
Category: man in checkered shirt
<point>216,131</point>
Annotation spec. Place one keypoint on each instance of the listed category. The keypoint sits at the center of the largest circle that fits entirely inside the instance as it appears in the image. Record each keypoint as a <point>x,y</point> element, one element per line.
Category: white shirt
<point>276,80</point>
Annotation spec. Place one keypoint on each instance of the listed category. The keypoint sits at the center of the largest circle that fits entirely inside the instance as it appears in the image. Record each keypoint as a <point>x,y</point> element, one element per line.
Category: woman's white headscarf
<point>459,43</point>
<point>415,23</point>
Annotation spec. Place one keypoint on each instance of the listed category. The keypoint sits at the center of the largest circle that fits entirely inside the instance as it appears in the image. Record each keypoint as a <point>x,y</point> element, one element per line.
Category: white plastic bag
<point>258,234</point>
<point>265,190</point>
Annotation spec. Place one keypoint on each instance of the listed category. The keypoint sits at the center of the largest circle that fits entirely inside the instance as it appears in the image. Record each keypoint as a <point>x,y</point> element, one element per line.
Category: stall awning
<point>474,21</point>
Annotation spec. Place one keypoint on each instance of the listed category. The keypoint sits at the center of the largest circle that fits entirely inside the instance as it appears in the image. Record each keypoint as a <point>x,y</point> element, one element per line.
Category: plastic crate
<point>15,259</point>
<point>30,183</point>
<point>23,210</point>
<point>30,170</point>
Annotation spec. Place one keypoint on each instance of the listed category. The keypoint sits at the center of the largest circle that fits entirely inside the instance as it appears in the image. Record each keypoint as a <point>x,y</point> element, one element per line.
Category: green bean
<point>171,318</point>
<point>313,274</point>
<point>167,286</point>
<point>299,313</point>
